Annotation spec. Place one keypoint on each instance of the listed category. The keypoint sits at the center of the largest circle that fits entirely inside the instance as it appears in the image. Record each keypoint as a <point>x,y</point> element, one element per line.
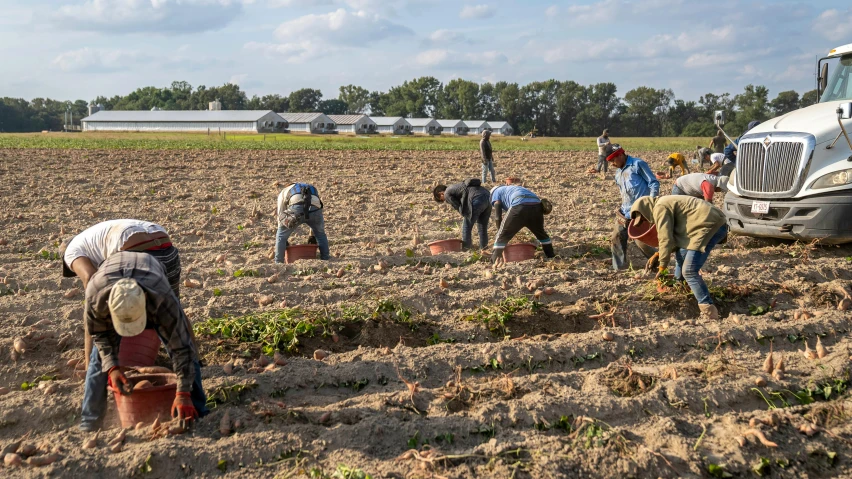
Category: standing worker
<point>603,142</point>
<point>524,210</point>
<point>700,185</point>
<point>677,160</point>
<point>300,203</point>
<point>84,254</point>
<point>472,201</point>
<point>690,228</point>
<point>128,294</point>
<point>635,180</point>
<point>718,142</point>
<point>487,154</point>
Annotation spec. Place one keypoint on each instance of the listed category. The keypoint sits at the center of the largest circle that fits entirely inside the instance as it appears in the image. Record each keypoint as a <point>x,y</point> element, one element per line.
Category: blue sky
<point>70,49</point>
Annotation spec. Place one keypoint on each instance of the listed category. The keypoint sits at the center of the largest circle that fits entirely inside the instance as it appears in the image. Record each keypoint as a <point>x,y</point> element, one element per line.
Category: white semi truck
<point>793,175</point>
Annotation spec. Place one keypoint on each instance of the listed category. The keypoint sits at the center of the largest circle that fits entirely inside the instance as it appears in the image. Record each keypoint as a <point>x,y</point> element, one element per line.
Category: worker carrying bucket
<point>127,295</point>
<point>472,201</point>
<point>524,209</point>
<point>299,204</point>
<point>688,227</point>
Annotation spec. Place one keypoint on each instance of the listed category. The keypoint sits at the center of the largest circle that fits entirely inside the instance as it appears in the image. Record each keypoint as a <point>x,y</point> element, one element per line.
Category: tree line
<point>553,107</point>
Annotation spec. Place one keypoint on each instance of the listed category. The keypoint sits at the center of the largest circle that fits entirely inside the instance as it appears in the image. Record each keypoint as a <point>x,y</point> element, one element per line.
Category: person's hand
<point>620,217</point>
<point>652,262</point>
<point>118,380</point>
<point>662,274</point>
<point>499,263</point>
<point>182,407</point>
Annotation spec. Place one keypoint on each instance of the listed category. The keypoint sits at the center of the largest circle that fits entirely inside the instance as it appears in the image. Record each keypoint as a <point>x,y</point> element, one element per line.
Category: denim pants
<point>677,191</point>
<point>480,215</point>
<point>602,164</point>
<point>690,262</point>
<point>317,225</point>
<point>486,167</point>
<point>95,392</point>
<point>619,247</point>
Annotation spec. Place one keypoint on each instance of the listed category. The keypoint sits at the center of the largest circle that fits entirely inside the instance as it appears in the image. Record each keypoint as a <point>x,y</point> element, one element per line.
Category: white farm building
<point>501,128</point>
<point>395,125</point>
<point>358,124</point>
<point>452,127</point>
<point>243,121</point>
<point>310,122</point>
<point>424,126</point>
<point>476,127</point>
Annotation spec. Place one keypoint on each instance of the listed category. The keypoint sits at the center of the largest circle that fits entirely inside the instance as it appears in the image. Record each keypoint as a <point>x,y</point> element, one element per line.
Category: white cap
<point>722,183</point>
<point>127,307</point>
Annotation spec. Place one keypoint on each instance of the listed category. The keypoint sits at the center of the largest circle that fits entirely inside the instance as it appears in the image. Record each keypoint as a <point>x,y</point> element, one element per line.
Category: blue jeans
<point>486,167</point>
<point>95,392</point>
<point>480,215</point>
<point>317,225</point>
<point>689,264</point>
<point>677,191</point>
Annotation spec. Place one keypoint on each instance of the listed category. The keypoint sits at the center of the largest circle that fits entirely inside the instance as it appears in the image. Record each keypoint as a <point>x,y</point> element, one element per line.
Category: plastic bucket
<point>139,350</point>
<point>645,232</point>
<point>300,251</point>
<point>443,246</point>
<point>145,405</point>
<point>519,252</point>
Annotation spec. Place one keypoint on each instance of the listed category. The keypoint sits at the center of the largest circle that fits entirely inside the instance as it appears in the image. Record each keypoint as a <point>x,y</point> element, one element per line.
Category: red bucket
<point>145,405</point>
<point>519,252</point>
<point>139,350</point>
<point>645,232</point>
<point>444,246</point>
<point>300,251</point>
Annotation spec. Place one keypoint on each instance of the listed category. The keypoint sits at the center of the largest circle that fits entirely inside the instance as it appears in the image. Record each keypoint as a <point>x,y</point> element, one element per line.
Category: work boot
<point>709,311</point>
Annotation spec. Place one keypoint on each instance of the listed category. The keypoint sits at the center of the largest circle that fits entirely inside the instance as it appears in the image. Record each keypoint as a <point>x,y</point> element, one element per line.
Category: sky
<point>79,49</point>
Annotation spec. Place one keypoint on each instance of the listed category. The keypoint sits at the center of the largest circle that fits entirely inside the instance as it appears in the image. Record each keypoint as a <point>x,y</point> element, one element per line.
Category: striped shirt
<point>162,307</point>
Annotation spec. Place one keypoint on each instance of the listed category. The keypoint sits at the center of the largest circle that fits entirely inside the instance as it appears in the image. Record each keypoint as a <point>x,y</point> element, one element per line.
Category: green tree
<point>600,111</point>
<point>356,98</point>
<point>646,111</point>
<point>785,102</point>
<point>376,100</point>
<point>571,98</point>
<point>305,100</point>
<point>752,105</point>
<point>459,99</point>
<point>809,98</point>
<point>333,107</point>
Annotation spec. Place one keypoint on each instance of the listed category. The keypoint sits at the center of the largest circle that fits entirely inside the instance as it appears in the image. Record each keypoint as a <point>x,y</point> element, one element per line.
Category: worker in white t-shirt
<point>716,162</point>
<point>83,254</point>
<point>700,185</point>
<point>603,141</point>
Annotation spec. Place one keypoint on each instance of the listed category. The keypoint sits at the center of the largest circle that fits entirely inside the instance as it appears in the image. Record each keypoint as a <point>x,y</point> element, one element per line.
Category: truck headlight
<point>838,178</point>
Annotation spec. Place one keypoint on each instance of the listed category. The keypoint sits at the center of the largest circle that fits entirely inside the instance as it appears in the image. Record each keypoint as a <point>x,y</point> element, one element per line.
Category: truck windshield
<point>840,85</point>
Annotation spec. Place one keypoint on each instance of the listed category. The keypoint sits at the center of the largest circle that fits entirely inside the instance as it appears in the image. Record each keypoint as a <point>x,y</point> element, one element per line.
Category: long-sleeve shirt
<point>485,150</point>
<point>461,197</point>
<point>513,195</point>
<point>162,307</point>
<point>635,180</point>
<point>678,160</point>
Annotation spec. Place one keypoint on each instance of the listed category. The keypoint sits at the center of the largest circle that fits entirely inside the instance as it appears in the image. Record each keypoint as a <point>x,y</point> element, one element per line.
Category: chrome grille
<point>767,170</point>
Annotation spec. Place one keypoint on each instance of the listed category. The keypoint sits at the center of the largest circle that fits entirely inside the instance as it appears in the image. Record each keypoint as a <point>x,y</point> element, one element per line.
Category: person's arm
<point>100,331</point>
<point>650,178</point>
<point>498,207</point>
<point>665,235</point>
<point>713,169</point>
<point>84,269</point>
<point>707,190</point>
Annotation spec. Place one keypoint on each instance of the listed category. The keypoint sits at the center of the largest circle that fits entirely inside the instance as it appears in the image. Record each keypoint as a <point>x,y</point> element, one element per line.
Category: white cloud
<point>477,12</point>
<point>98,60</point>
<point>447,36</point>
<point>313,36</point>
<point>552,11</point>
<point>446,58</point>
<point>705,60</point>
<point>833,24</point>
<point>584,50</point>
<point>238,79</point>
<point>606,11</point>
<point>135,16</point>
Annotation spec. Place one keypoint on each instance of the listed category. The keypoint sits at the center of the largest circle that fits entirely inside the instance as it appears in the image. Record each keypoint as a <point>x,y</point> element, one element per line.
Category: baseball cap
<point>722,183</point>
<point>127,307</point>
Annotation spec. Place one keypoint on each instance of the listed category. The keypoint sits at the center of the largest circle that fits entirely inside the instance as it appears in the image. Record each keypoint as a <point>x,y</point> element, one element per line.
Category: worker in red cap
<point>635,180</point>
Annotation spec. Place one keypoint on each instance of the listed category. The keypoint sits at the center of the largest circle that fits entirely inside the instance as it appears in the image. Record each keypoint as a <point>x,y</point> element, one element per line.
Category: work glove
<point>183,408</point>
<point>653,262</point>
<point>118,380</point>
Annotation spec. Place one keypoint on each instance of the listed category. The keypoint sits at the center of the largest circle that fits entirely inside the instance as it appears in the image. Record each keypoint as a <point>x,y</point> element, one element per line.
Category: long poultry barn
<point>242,121</point>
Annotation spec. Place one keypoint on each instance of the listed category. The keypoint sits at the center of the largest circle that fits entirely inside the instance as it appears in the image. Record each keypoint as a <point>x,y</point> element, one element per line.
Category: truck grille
<point>775,169</point>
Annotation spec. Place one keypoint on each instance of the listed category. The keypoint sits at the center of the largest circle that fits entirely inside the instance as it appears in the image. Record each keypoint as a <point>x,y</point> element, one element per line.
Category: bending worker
<point>690,228</point>
<point>700,185</point>
<point>677,160</point>
<point>635,180</point>
<point>472,201</point>
<point>524,210</point>
<point>300,203</point>
<point>85,253</point>
<point>128,294</point>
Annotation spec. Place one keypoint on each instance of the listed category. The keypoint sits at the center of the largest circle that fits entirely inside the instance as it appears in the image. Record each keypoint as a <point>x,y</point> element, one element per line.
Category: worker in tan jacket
<point>690,228</point>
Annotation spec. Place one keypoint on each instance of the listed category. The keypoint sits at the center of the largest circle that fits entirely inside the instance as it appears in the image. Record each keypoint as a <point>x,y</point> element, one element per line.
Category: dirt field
<point>510,383</point>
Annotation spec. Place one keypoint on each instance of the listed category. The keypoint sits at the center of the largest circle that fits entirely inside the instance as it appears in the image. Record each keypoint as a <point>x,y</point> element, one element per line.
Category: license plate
<point>760,207</point>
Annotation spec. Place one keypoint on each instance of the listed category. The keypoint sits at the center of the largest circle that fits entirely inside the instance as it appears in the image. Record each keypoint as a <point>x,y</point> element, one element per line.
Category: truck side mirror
<point>719,117</point>
<point>844,111</point>
<point>823,77</point>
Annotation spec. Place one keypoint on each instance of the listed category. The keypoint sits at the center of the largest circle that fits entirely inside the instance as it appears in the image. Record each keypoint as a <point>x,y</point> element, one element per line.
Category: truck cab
<point>793,174</point>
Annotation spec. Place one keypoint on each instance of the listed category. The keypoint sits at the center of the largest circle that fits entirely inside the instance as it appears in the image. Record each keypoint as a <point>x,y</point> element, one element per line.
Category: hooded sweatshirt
<point>485,147</point>
<point>682,222</point>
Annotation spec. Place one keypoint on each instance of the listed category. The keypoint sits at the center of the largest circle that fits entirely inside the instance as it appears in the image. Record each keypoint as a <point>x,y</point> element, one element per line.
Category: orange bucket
<point>444,246</point>
<point>519,252</point>
<point>645,232</point>
<point>139,350</point>
<point>300,251</point>
<point>145,405</point>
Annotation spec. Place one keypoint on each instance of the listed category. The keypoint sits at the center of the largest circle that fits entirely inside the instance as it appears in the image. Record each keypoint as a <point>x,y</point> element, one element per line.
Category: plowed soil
<point>536,393</point>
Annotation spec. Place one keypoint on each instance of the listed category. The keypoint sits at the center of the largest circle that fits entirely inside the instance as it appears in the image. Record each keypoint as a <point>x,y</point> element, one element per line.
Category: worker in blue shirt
<point>731,151</point>
<point>635,180</point>
<point>524,209</point>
